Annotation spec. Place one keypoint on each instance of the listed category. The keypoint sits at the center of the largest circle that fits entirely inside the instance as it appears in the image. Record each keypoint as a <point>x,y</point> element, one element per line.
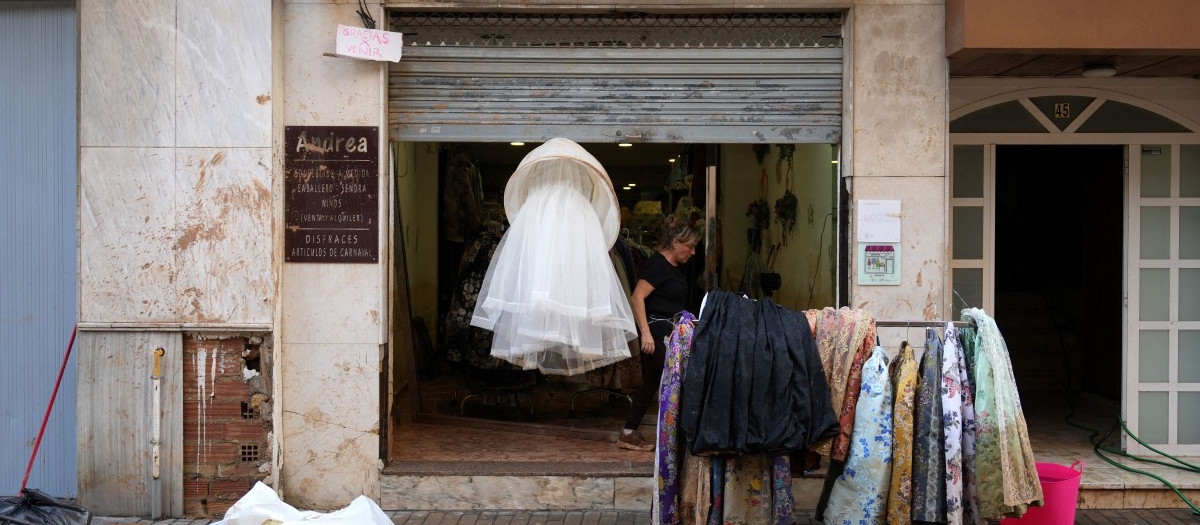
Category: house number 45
<point>1062,110</point>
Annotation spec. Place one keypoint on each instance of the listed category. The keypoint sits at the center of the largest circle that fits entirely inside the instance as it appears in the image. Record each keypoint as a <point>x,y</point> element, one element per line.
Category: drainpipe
<point>156,436</point>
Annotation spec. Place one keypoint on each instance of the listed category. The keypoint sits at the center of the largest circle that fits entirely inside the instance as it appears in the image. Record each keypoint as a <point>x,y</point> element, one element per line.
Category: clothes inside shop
<point>773,233</point>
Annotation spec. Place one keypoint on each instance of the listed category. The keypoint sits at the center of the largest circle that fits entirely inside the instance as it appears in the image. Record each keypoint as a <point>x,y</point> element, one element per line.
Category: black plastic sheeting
<point>34,507</point>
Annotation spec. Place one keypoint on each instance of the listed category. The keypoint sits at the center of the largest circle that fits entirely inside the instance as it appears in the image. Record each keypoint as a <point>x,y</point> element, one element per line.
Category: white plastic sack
<point>262,506</point>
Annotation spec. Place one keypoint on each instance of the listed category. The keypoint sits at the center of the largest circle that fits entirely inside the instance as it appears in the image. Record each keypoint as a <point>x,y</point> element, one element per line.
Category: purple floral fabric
<point>668,459</point>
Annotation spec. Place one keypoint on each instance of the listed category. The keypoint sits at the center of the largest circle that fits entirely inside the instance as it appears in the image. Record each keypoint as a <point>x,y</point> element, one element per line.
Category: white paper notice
<point>878,221</point>
<point>371,44</point>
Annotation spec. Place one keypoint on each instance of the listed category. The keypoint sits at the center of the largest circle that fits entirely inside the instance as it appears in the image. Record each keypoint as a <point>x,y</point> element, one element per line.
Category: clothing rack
<point>919,324</point>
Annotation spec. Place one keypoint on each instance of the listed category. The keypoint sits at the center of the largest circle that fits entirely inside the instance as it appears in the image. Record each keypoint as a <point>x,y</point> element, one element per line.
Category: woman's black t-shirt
<point>670,287</point>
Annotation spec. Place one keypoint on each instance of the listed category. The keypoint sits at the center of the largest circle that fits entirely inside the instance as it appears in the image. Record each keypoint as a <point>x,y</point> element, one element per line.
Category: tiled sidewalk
<point>614,517</point>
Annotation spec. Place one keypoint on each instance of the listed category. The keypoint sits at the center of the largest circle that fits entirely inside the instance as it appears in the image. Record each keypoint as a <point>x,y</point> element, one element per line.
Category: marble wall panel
<point>496,492</point>
<point>223,246</point>
<point>330,427</point>
<point>126,73</point>
<point>899,87</point>
<point>331,303</point>
<point>127,229</point>
<point>920,294</point>
<point>324,90</point>
<point>224,73</point>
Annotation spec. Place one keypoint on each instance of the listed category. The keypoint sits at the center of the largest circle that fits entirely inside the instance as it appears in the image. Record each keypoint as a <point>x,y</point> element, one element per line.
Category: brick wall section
<point>227,410</point>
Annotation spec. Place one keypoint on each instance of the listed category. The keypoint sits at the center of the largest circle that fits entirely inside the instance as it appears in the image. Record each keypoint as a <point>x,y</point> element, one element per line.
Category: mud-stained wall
<point>332,315</point>
<point>897,147</point>
<point>175,163</point>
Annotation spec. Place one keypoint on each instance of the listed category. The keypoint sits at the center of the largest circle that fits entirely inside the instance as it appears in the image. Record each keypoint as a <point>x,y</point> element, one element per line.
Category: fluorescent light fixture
<point>670,160</point>
<point>1099,70</point>
<point>625,145</point>
<point>627,188</point>
<point>835,161</point>
<point>631,184</point>
<point>516,143</point>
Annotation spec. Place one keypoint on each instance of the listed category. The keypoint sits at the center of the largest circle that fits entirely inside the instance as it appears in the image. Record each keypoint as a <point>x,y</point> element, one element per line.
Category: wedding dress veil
<point>551,295</point>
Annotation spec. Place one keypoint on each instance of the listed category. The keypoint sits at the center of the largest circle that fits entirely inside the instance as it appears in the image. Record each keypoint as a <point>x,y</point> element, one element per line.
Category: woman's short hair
<point>677,228</point>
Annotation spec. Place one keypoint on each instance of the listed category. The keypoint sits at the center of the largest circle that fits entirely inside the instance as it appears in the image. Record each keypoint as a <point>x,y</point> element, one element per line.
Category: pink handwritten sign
<point>370,44</point>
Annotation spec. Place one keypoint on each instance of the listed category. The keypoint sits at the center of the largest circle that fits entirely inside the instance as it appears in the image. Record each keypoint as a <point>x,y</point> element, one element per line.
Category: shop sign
<point>879,263</point>
<point>878,242</point>
<point>369,44</point>
<point>331,187</point>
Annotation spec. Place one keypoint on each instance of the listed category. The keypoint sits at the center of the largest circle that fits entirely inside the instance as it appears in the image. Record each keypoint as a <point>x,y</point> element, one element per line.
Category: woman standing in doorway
<point>660,293</point>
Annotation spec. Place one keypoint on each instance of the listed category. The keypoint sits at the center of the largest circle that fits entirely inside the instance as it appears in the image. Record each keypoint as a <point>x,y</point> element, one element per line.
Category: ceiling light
<point>516,143</point>
<point>670,160</point>
<point>625,145</point>
<point>835,161</point>
<point>627,188</point>
<point>631,184</point>
<point>1099,70</point>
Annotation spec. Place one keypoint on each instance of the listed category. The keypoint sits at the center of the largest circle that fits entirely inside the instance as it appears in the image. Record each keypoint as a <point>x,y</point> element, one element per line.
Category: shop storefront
<point>286,370</point>
<point>702,115</point>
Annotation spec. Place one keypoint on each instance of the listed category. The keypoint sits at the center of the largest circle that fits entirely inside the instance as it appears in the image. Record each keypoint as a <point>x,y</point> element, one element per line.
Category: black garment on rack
<point>754,382</point>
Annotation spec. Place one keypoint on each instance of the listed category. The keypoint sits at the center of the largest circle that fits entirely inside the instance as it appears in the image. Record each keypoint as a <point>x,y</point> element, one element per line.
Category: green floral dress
<point>1006,476</point>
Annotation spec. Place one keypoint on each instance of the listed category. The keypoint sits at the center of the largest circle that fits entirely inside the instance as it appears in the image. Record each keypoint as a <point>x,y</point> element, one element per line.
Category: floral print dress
<point>952,423</point>
<point>929,462</point>
<point>904,377</point>
<point>668,459</point>
<point>859,495</point>
<point>1006,476</point>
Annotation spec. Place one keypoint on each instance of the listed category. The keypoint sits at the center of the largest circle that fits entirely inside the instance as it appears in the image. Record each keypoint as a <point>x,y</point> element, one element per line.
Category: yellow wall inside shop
<point>417,207</point>
<point>808,258</point>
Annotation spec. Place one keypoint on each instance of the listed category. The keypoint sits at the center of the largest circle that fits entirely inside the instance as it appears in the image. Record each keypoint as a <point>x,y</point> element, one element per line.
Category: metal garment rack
<point>919,324</point>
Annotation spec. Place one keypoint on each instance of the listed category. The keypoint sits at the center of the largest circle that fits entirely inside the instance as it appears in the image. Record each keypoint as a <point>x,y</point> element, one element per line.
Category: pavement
<point>625,517</point>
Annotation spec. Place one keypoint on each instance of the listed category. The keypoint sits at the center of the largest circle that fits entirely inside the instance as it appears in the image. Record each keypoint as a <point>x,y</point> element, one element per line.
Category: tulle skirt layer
<point>551,295</point>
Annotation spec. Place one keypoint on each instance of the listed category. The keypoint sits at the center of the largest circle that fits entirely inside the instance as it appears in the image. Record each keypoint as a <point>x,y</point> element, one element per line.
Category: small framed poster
<point>879,263</point>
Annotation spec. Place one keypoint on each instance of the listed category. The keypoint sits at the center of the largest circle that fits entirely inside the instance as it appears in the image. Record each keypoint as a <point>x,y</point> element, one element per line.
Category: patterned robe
<point>859,495</point>
<point>952,423</point>
<point>929,461</point>
<point>668,460</point>
<point>904,377</point>
<point>1006,477</point>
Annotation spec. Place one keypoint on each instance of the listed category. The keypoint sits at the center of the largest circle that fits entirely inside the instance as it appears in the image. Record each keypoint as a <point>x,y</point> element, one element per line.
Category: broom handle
<point>45,419</point>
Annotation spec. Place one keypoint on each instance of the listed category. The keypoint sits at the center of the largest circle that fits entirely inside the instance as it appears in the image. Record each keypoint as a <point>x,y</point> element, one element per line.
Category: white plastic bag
<point>262,506</point>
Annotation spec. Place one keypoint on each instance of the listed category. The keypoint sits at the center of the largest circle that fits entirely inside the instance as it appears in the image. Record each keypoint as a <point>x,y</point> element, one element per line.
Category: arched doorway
<point>1071,214</point>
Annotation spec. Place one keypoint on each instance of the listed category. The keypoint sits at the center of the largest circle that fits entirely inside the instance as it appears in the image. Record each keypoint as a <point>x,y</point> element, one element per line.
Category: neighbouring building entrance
<point>1072,212</point>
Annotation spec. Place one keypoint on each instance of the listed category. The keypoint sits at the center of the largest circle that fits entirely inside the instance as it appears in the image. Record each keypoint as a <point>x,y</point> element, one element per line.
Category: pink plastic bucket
<point>1060,492</point>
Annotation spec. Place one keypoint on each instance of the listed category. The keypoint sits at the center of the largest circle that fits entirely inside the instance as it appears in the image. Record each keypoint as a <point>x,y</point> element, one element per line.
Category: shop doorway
<point>1059,230</point>
<point>454,389</point>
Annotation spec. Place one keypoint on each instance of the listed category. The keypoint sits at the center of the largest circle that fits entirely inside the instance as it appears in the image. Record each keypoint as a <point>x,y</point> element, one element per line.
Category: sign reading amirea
<point>331,186</point>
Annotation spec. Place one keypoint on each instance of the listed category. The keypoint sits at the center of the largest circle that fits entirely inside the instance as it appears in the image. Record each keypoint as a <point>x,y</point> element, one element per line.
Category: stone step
<point>450,492</point>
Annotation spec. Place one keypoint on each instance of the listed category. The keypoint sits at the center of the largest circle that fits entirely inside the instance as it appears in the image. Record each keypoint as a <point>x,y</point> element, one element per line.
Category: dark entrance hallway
<point>1059,244</point>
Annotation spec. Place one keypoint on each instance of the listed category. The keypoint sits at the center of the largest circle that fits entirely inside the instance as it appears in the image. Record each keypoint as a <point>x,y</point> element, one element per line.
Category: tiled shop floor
<point>612,517</point>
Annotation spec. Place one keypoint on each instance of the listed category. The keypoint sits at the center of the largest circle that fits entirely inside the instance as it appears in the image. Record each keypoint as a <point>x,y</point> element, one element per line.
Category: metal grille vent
<point>633,30</point>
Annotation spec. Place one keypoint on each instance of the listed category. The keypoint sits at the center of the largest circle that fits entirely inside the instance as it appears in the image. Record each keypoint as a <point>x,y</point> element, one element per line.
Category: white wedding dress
<point>551,295</point>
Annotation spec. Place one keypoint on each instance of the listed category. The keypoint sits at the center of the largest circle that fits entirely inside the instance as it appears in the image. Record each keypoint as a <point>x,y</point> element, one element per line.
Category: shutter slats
<point>664,95</point>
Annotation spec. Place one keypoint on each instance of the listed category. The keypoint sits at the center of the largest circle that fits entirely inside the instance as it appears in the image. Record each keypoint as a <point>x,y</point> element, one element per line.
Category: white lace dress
<point>551,294</point>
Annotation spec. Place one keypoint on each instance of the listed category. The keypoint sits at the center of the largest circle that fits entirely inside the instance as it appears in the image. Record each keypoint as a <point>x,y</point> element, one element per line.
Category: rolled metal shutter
<point>38,265</point>
<point>673,79</point>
